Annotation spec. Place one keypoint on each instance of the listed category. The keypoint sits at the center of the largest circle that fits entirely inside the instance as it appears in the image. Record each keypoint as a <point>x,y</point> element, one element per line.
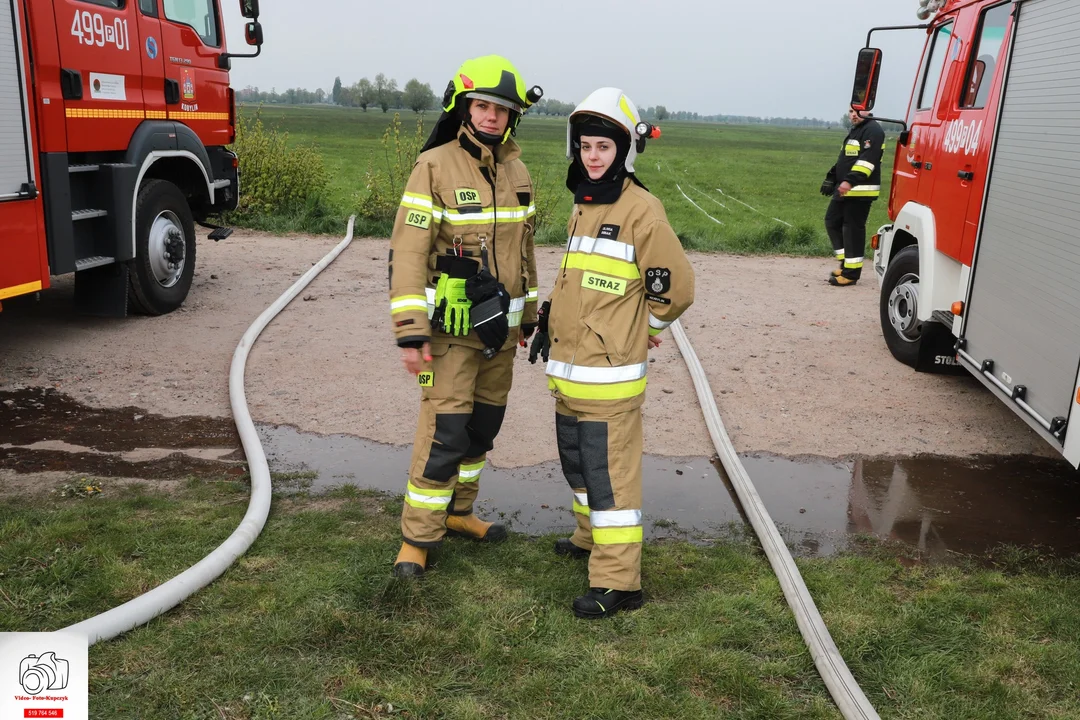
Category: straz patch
<point>851,149</point>
<point>467,196</point>
<point>608,232</point>
<point>657,280</point>
<point>418,219</point>
<point>426,379</point>
<point>603,283</point>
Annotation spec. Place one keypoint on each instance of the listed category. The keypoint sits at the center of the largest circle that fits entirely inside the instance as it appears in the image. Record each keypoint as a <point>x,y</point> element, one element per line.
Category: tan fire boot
<point>475,528</point>
<point>410,562</point>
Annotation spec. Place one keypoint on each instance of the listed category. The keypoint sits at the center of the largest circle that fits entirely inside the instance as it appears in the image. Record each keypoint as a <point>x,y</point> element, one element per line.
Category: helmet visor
<point>494,99</point>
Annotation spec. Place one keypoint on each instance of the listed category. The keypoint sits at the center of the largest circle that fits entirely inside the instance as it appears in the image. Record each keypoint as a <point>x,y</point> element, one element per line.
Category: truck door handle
<point>966,175</point>
<point>916,164</point>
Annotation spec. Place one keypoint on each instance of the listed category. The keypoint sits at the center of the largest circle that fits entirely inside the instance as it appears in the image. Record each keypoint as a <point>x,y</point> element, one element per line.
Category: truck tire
<point>900,304</point>
<point>164,263</point>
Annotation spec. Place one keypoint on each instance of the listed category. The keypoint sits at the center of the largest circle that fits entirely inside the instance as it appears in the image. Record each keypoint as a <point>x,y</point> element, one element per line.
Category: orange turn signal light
<point>958,308</point>
<point>875,242</point>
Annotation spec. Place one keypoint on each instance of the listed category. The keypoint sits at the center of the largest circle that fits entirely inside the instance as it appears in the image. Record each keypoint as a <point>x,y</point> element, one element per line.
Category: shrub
<point>386,182</point>
<point>276,178</point>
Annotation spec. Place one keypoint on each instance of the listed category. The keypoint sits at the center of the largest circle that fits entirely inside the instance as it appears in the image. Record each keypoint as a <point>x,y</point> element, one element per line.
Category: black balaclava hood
<point>608,188</point>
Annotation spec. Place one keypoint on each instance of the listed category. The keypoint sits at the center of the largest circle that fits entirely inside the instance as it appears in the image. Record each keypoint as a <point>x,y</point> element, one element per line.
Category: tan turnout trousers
<point>461,411</point>
<point>601,459</point>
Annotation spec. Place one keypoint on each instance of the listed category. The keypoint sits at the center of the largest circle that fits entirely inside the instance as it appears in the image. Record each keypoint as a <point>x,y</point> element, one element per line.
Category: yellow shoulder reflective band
<point>602,264</point>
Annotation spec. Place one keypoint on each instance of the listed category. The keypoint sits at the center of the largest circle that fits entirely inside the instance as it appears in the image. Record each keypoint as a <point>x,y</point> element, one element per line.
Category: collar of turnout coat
<point>504,153</point>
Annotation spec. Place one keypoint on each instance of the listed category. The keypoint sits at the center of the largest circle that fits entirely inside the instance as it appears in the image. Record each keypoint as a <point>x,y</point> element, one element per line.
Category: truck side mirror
<point>867,74</point>
<point>253,33</point>
<point>249,9</point>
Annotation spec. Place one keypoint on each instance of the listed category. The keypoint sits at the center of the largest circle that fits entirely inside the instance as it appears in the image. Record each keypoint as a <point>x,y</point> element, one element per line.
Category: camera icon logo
<point>39,673</point>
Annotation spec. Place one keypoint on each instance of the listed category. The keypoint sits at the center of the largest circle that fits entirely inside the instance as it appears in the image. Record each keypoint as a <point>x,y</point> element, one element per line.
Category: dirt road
<point>798,367</point>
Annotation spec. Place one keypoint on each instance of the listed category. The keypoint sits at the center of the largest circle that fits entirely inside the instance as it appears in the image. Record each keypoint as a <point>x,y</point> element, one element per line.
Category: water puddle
<point>935,506</point>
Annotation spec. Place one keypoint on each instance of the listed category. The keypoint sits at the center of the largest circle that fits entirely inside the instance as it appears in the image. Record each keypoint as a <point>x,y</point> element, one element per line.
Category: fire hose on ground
<point>140,610</point>
<point>168,595</point>
<point>845,692</point>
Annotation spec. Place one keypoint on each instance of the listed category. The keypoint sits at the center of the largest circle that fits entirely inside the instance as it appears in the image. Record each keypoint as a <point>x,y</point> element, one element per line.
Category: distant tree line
<point>383,93</point>
<point>292,96</point>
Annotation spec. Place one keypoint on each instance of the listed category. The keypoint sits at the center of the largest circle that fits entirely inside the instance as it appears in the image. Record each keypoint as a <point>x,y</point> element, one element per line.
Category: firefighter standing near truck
<point>463,293</point>
<point>623,279</point>
<point>854,182</point>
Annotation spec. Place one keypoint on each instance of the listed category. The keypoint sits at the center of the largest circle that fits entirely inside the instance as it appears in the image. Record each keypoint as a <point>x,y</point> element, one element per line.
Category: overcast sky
<point>789,58</point>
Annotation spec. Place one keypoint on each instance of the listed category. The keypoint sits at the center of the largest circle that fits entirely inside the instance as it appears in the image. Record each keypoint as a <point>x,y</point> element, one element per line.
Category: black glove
<point>828,187</point>
<point>541,346</point>
<point>527,329</point>
<point>490,305</point>
<point>542,316</point>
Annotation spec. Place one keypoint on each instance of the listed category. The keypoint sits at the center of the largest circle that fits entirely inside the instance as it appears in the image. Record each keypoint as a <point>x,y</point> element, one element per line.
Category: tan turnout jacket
<point>461,195</point>
<point>623,278</point>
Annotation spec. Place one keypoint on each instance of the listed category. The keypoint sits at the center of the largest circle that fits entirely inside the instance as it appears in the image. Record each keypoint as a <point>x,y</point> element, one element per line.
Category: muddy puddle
<point>937,506</point>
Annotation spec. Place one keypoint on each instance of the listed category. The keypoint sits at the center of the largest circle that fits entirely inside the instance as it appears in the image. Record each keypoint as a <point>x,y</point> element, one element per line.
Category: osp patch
<point>657,280</point>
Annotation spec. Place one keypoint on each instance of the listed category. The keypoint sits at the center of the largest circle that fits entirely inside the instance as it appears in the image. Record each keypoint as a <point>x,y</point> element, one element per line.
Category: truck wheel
<point>164,263</point>
<point>900,306</point>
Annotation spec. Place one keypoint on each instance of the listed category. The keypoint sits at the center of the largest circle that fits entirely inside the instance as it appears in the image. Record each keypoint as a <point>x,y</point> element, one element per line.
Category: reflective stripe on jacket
<point>859,163</point>
<point>623,278</point>
<point>459,198</point>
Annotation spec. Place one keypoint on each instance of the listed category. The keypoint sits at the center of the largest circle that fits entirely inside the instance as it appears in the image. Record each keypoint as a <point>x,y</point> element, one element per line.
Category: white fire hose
<point>145,608</point>
<point>845,692</point>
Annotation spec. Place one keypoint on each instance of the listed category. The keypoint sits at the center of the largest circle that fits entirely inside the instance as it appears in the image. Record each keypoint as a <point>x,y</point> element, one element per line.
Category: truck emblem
<point>151,48</point>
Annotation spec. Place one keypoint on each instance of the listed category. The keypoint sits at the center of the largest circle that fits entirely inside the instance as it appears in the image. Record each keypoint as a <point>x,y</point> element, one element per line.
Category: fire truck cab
<point>115,117</point>
<point>980,267</point>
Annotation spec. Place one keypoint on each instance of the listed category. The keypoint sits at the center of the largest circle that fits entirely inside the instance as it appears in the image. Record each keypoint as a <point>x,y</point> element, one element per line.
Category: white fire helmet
<point>612,104</point>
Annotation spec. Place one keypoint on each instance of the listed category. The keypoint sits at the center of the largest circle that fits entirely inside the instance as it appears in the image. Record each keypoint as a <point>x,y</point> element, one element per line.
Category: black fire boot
<point>563,546</point>
<point>602,602</point>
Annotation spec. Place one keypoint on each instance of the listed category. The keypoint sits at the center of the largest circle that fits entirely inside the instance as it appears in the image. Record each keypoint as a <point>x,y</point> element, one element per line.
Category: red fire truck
<point>114,121</point>
<point>980,266</point>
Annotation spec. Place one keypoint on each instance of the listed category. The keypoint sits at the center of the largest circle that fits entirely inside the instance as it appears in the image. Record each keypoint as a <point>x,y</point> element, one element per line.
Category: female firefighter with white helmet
<point>623,279</point>
<point>463,291</point>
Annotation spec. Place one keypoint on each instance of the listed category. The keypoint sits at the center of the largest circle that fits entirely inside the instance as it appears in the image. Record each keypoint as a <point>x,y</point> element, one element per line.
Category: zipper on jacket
<point>491,177</point>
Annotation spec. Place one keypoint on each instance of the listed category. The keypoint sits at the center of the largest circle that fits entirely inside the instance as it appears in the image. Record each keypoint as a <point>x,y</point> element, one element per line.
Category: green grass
<point>775,172</point>
<point>308,624</point>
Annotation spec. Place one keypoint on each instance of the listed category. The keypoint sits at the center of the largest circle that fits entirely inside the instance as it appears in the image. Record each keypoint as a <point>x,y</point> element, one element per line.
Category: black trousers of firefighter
<point>461,412</point>
<point>601,459</point>
<point>845,222</point>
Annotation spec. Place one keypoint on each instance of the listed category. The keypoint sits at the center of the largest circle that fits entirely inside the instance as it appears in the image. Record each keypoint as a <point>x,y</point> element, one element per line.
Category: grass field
<point>308,623</point>
<point>744,189</point>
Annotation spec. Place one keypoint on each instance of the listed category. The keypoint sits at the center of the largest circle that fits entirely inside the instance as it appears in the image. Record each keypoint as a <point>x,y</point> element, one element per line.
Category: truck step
<point>220,233</point>
<point>944,317</point>
<point>93,262</point>
<point>90,214</point>
<point>83,168</point>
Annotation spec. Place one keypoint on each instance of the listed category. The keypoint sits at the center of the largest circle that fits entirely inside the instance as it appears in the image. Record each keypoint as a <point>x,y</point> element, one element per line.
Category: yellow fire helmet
<point>492,78</point>
<point>612,105</point>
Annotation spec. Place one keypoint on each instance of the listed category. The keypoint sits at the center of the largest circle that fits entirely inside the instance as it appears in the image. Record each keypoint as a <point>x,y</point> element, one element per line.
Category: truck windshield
<point>199,14</point>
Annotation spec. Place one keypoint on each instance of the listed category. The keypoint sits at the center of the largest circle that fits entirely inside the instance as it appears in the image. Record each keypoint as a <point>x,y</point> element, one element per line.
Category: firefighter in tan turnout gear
<point>463,293</point>
<point>623,279</point>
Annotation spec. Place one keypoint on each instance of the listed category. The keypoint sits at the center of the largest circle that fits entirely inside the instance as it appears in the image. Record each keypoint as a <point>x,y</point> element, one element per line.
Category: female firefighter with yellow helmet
<point>463,292</point>
<point>623,279</point>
